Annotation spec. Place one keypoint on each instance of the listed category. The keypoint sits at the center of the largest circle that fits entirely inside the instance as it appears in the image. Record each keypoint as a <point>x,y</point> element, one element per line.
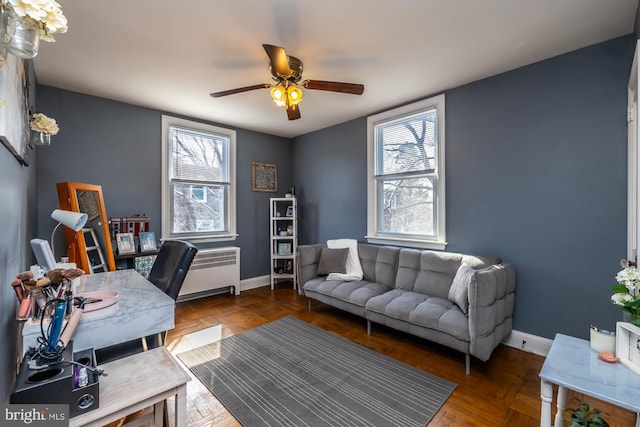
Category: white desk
<point>141,310</point>
<point>571,364</point>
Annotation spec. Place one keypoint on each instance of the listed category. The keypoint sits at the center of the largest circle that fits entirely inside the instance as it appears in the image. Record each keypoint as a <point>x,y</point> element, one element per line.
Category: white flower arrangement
<point>627,291</point>
<point>42,123</point>
<point>45,14</point>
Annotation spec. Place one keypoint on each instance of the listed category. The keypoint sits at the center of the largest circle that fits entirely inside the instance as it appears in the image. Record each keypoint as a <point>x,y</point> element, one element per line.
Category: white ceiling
<point>169,55</point>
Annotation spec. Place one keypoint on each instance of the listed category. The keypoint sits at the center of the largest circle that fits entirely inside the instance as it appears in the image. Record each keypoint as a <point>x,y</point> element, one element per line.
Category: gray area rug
<point>291,373</point>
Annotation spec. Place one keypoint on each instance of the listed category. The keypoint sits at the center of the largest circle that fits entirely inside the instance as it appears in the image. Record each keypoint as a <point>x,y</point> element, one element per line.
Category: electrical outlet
<point>523,344</point>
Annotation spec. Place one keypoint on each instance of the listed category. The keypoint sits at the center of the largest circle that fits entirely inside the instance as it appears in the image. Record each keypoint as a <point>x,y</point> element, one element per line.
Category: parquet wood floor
<point>505,391</point>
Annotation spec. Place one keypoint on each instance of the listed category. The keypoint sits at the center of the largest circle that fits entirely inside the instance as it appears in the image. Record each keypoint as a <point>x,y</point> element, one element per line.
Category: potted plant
<point>627,293</point>
<point>584,416</point>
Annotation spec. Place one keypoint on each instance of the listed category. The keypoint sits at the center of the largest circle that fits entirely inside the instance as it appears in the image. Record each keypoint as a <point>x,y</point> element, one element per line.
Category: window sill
<point>411,243</point>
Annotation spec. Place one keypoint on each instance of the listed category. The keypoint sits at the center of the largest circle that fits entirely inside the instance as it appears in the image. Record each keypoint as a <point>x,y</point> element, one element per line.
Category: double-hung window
<point>198,185</point>
<point>406,191</point>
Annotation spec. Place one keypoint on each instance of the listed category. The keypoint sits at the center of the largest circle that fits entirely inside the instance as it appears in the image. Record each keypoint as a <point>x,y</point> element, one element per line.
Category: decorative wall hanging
<point>14,106</point>
<point>264,177</point>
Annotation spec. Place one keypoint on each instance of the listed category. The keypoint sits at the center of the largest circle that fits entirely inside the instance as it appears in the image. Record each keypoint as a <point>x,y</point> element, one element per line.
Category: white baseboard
<point>255,282</point>
<point>529,343</point>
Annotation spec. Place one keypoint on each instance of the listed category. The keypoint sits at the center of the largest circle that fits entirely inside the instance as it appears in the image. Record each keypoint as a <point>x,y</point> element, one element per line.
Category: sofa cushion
<point>354,270</point>
<point>332,261</point>
<point>356,292</point>
<point>459,291</point>
<point>423,310</point>
<point>427,272</point>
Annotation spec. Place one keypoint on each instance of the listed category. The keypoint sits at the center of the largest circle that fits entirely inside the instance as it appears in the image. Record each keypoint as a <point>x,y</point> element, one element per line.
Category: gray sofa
<point>409,290</point>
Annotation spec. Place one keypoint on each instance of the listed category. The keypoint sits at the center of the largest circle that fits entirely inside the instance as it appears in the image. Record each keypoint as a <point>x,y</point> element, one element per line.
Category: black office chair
<point>167,273</point>
<point>171,266</point>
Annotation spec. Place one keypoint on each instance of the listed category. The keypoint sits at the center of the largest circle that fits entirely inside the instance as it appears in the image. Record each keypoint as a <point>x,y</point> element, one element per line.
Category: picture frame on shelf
<point>289,211</point>
<point>628,345</point>
<point>125,243</point>
<point>284,248</point>
<point>148,241</point>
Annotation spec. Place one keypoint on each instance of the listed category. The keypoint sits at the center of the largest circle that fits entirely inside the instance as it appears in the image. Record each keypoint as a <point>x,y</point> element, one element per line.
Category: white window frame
<point>439,242</point>
<point>167,122</point>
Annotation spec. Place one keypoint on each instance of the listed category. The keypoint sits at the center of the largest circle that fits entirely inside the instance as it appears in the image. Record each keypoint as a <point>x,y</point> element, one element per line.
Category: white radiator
<point>211,271</point>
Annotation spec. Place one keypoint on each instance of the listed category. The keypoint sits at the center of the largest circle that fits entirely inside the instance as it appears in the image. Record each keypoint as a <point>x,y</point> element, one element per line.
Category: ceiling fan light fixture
<point>286,72</point>
<point>294,94</point>
<point>279,95</point>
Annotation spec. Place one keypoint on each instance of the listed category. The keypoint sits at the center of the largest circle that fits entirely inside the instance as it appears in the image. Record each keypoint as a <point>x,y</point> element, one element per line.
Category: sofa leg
<point>309,304</point>
<point>368,327</point>
<point>467,364</point>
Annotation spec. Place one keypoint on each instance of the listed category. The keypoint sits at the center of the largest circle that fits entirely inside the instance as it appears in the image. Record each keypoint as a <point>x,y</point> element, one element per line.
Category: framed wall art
<point>14,106</point>
<point>264,177</point>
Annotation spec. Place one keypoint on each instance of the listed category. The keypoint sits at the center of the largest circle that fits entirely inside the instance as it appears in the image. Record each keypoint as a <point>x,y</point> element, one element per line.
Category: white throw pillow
<point>459,291</point>
<point>354,269</point>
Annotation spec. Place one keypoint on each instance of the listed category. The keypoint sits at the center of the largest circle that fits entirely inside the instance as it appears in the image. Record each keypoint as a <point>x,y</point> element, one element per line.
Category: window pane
<point>407,144</point>
<point>198,156</point>
<point>199,214</point>
<point>199,193</point>
<point>408,206</point>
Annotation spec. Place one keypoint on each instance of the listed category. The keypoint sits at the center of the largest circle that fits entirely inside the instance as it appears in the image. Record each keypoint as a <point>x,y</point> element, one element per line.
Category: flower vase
<point>18,36</point>
<point>41,138</point>
<point>634,319</point>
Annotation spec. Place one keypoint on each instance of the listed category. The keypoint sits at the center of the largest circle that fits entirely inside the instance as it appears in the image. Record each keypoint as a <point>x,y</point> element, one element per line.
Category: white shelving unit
<point>284,239</point>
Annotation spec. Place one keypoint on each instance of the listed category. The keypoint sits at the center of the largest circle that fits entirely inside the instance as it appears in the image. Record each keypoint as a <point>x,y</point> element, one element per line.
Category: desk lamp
<point>41,248</point>
<point>73,220</point>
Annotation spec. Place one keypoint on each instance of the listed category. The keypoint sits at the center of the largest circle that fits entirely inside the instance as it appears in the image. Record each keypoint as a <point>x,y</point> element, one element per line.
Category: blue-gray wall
<point>118,146</point>
<point>536,173</point>
<point>330,173</point>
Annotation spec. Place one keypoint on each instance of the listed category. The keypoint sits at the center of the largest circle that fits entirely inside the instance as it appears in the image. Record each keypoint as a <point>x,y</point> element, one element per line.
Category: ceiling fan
<point>287,91</point>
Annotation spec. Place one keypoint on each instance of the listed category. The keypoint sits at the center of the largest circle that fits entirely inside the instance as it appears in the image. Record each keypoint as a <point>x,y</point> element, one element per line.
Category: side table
<point>571,364</point>
<point>137,382</point>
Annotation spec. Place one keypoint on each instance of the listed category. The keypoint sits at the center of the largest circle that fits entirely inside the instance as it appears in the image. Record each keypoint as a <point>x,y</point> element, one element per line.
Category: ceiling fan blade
<point>293,112</point>
<point>352,88</point>
<point>240,90</point>
<point>279,60</point>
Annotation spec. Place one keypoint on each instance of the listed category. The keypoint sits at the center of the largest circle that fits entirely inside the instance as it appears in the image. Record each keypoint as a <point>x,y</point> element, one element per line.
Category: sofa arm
<point>308,257</point>
<point>491,302</point>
